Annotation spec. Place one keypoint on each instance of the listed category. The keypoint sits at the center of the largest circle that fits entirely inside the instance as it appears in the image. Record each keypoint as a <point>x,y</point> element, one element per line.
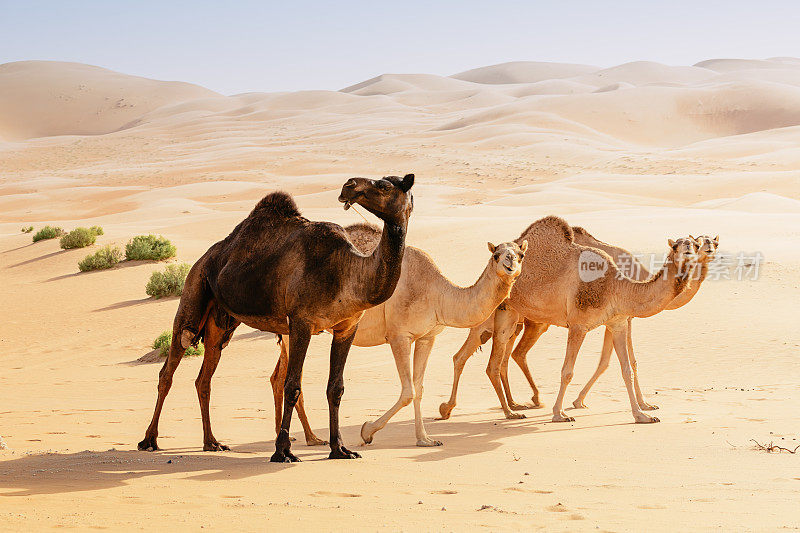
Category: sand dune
<point>523,72</point>
<point>46,98</point>
<point>636,153</point>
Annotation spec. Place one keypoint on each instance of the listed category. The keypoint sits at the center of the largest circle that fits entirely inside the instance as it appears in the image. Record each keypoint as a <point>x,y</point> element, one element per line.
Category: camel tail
<point>193,311</point>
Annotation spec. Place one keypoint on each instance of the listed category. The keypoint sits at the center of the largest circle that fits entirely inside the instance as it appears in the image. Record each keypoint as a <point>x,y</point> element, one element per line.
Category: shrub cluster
<point>170,282</point>
<point>27,229</point>
<point>164,341</point>
<point>150,248</point>
<point>80,237</point>
<point>105,257</point>
<point>47,232</point>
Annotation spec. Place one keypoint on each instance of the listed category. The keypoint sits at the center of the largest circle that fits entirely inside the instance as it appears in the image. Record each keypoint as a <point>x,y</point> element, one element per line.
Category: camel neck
<point>699,275</point>
<point>382,268</point>
<point>465,307</point>
<point>646,298</point>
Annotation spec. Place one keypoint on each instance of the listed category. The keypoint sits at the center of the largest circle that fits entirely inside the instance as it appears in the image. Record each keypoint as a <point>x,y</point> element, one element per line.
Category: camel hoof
<point>563,418</point>
<point>148,445</point>
<point>514,416</point>
<point>292,439</point>
<point>519,406</point>
<point>215,447</point>
<point>284,457</point>
<point>578,404</point>
<point>648,407</point>
<point>315,441</point>
<point>536,404</point>
<point>368,439</point>
<point>445,409</point>
<point>428,443</point>
<point>343,453</point>
<point>647,420</point>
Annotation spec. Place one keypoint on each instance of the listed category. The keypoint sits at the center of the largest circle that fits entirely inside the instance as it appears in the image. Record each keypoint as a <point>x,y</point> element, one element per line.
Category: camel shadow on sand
<point>59,473</point>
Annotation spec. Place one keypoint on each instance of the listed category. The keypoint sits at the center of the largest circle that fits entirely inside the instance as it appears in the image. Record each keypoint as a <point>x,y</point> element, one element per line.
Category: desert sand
<point>636,153</point>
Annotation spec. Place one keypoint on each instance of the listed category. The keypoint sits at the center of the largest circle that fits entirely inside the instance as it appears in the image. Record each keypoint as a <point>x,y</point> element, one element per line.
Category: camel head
<point>388,198</point>
<point>507,258</point>
<point>683,253</point>
<point>707,247</point>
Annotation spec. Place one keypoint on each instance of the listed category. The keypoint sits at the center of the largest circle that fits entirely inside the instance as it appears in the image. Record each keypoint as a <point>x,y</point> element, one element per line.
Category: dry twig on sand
<point>769,448</point>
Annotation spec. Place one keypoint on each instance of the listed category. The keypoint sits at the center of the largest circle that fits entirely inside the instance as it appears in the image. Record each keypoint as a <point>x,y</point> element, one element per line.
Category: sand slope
<point>46,98</point>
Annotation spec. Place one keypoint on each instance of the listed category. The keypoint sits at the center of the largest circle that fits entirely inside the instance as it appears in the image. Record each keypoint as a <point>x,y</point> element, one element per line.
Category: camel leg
<point>602,365</point>
<point>340,347</point>
<point>514,406</point>
<point>149,442</point>
<point>300,334</point>
<point>643,405</point>
<point>477,336</point>
<point>505,323</point>
<point>422,350</point>
<point>530,335</point>
<point>401,349</point>
<point>212,341</point>
<point>574,341</point>
<point>277,381</point>
<point>621,347</point>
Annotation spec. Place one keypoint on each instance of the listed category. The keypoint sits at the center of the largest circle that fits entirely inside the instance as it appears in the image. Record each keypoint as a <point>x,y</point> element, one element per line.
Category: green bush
<point>80,237</point>
<point>48,232</point>
<point>27,229</point>
<point>164,341</point>
<point>149,247</point>
<point>168,283</point>
<point>105,257</point>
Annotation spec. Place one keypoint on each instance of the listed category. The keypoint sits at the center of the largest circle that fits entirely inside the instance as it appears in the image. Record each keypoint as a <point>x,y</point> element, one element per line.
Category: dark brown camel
<point>280,272</point>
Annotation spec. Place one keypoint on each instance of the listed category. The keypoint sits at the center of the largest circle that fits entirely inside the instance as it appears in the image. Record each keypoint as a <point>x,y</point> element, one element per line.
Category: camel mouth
<point>348,202</point>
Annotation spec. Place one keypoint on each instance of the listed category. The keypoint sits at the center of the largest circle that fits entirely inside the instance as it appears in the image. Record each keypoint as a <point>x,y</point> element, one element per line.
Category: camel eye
<point>384,184</point>
<point>496,257</point>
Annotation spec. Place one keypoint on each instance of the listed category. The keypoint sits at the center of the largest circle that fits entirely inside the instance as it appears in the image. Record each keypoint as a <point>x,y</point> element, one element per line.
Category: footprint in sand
<point>336,494</point>
<point>444,492</point>
<point>557,508</point>
<point>529,491</point>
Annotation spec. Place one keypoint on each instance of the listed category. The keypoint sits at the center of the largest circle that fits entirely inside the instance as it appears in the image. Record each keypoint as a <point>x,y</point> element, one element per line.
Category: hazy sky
<point>243,46</point>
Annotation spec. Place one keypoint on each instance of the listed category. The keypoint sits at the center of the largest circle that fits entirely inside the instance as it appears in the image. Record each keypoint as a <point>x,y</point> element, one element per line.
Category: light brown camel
<point>578,287</point>
<point>280,272</point>
<point>423,303</point>
<point>629,266</point>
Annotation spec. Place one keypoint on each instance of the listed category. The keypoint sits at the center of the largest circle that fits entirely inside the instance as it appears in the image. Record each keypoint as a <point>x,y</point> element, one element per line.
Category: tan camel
<point>280,272</point>
<point>630,267</point>
<point>423,303</point>
<point>579,287</point>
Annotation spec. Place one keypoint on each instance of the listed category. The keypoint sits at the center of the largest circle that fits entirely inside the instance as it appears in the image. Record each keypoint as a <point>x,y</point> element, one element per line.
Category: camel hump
<point>277,204</point>
<point>549,226</point>
<point>365,237</point>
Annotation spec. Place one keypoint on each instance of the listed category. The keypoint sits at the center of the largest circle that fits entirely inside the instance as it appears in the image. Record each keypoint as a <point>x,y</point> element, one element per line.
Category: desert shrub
<point>27,229</point>
<point>47,232</point>
<point>80,237</point>
<point>105,257</point>
<point>164,341</point>
<point>168,283</point>
<point>149,247</point>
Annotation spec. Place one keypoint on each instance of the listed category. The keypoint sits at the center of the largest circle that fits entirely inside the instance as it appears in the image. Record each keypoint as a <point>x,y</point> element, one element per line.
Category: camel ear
<point>671,243</point>
<point>716,239</point>
<point>492,247</point>
<point>693,238</point>
<point>408,181</point>
<point>524,246</point>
